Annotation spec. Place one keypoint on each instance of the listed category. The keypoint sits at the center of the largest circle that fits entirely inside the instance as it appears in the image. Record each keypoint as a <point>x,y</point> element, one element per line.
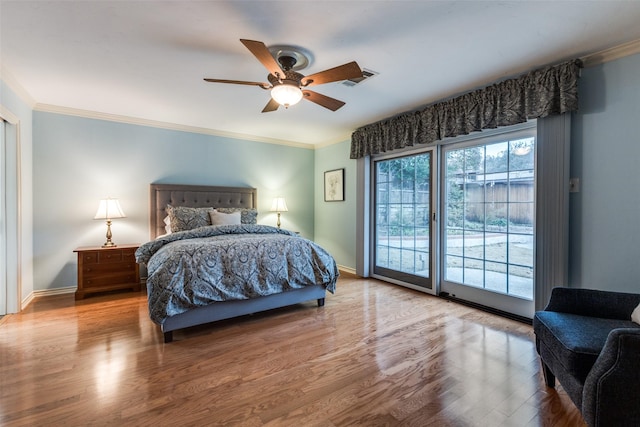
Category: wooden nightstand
<point>107,269</point>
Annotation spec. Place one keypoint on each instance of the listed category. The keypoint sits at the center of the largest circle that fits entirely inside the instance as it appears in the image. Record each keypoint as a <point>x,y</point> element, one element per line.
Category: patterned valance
<point>540,93</point>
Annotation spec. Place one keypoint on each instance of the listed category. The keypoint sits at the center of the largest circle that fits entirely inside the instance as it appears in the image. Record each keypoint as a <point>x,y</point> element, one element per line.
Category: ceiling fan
<point>287,86</point>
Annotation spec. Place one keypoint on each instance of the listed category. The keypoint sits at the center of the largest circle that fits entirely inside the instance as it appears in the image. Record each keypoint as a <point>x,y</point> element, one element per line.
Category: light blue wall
<point>605,155</point>
<point>77,161</point>
<point>335,225</point>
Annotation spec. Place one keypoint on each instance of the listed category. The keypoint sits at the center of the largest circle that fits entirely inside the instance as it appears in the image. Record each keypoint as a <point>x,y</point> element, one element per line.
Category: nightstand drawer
<point>89,257</point>
<point>129,253</point>
<point>112,255</point>
<point>109,279</point>
<point>91,270</point>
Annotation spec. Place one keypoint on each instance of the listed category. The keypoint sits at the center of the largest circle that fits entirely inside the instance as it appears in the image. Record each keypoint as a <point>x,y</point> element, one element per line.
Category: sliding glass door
<point>484,233</point>
<point>402,219</point>
<point>488,209</point>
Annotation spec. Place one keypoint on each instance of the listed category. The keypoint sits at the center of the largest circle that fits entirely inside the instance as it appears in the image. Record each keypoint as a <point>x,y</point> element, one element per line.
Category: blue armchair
<point>586,339</point>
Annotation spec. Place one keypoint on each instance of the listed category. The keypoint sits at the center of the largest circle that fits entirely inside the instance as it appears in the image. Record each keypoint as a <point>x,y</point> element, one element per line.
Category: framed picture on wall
<point>334,185</point>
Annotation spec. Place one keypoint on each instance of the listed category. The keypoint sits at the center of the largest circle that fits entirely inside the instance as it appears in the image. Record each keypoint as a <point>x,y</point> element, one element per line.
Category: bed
<point>200,273</point>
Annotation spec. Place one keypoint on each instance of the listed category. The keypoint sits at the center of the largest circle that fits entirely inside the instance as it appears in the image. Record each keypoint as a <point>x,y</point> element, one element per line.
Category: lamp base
<point>109,243</point>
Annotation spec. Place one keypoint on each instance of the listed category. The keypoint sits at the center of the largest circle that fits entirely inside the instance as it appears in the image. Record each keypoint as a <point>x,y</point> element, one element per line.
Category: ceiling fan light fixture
<point>285,84</point>
<point>286,94</point>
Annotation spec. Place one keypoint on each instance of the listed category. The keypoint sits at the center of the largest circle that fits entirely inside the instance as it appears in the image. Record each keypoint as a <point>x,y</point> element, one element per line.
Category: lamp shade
<point>279,205</point>
<point>109,209</point>
<point>286,94</point>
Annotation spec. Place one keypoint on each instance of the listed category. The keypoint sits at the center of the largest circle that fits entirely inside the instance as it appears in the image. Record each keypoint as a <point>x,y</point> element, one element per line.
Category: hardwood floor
<point>374,355</point>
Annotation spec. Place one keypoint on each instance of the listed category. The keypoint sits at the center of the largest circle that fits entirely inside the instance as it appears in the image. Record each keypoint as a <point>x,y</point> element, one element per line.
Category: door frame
<point>12,244</point>
<point>518,306</point>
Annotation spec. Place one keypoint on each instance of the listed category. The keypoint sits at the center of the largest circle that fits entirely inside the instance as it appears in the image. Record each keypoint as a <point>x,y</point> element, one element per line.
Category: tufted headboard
<point>195,196</point>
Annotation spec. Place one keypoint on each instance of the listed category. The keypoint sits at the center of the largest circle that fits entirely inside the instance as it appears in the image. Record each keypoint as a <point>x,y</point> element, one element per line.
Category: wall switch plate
<point>574,185</point>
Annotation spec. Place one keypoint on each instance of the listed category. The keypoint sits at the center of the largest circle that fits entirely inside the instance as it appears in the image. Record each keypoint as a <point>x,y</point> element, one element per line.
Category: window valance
<point>539,93</point>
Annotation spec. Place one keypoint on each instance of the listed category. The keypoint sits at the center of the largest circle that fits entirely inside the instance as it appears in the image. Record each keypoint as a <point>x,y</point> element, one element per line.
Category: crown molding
<point>332,142</point>
<point>8,116</point>
<point>47,108</point>
<point>12,82</point>
<point>616,52</point>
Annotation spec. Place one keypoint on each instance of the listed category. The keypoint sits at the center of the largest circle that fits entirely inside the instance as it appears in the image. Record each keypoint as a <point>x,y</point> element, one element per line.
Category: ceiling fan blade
<point>261,52</point>
<point>343,72</point>
<point>272,105</point>
<point>323,100</point>
<point>240,82</point>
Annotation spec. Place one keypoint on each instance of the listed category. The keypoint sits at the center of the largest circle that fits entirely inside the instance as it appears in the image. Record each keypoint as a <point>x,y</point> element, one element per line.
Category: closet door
<point>3,222</point>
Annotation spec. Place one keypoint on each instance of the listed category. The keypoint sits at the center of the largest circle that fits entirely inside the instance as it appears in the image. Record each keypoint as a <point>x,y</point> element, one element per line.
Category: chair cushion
<point>576,341</point>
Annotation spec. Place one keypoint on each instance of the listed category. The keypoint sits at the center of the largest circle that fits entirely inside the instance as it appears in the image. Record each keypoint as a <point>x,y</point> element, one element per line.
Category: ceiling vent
<point>366,74</point>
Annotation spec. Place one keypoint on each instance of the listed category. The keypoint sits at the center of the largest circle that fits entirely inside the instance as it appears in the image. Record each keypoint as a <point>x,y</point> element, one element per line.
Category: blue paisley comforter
<point>229,262</point>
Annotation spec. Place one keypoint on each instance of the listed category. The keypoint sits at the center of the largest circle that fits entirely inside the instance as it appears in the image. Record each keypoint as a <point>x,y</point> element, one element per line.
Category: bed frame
<point>197,196</point>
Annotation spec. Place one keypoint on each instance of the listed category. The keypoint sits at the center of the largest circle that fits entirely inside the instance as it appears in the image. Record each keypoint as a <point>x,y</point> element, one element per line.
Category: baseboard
<point>347,270</point>
<point>47,293</point>
<point>27,301</point>
<point>72,289</point>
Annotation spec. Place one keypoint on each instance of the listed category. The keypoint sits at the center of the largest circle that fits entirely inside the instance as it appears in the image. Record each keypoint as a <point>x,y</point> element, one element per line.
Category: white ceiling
<point>146,59</point>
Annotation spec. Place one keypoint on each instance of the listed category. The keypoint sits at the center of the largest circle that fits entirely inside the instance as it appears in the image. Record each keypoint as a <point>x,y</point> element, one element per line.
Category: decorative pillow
<point>183,218</point>
<point>247,216</point>
<point>635,316</point>
<point>219,218</point>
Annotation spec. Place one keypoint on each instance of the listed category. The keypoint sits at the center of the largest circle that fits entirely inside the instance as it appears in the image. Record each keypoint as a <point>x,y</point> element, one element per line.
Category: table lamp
<point>109,209</point>
<point>279,205</point>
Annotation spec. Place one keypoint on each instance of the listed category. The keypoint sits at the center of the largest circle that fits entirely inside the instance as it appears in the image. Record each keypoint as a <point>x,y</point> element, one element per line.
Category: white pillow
<point>635,316</point>
<point>219,218</point>
<point>167,225</point>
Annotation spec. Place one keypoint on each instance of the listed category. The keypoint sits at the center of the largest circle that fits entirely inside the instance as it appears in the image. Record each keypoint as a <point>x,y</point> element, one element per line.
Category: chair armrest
<point>593,303</point>
<point>611,394</point>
